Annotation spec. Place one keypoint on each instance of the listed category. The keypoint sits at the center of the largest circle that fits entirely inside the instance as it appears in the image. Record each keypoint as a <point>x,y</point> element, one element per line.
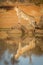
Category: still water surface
<point>9,45</point>
<point>6,59</point>
<point>34,57</point>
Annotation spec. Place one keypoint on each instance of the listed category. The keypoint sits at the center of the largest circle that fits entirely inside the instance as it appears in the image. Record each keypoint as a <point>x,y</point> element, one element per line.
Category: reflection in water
<point>6,59</point>
<point>8,50</point>
<point>10,42</point>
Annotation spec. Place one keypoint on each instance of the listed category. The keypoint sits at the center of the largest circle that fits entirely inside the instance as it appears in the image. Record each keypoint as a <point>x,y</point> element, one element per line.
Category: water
<point>8,51</point>
<point>15,39</point>
<point>10,45</point>
<point>6,59</point>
